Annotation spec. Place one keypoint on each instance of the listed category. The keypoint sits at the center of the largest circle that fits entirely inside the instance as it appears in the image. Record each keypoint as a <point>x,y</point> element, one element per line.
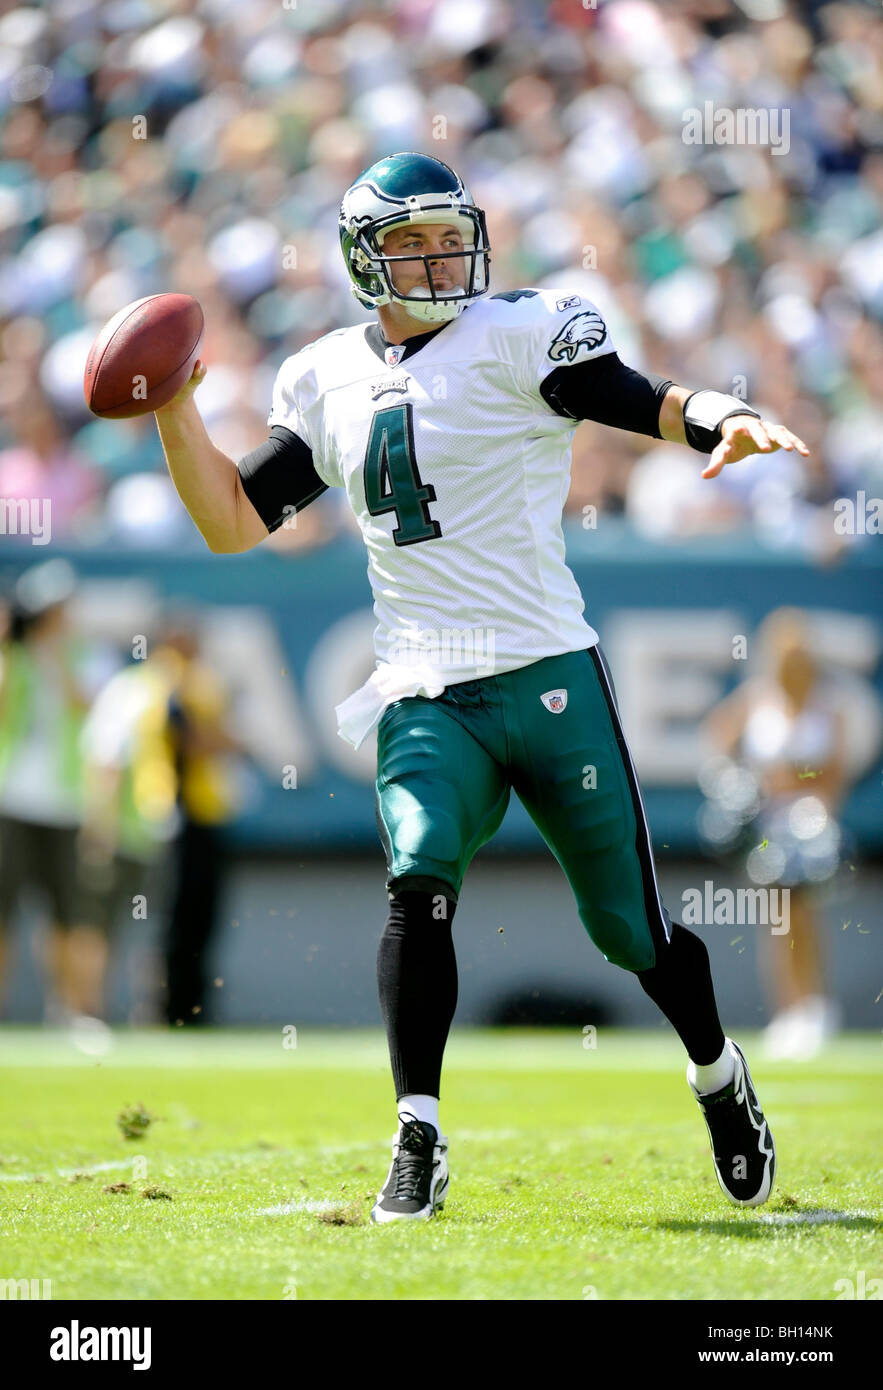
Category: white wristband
<point>705,412</point>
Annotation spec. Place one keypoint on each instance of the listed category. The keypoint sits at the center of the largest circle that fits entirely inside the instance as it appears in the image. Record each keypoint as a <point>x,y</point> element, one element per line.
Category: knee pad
<point>617,942</point>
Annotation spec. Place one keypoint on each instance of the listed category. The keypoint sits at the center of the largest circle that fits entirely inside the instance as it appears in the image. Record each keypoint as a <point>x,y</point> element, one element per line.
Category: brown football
<point>143,356</point>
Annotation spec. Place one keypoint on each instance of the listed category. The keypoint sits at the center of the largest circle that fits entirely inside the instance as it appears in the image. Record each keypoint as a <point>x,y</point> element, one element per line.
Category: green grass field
<point>575,1173</point>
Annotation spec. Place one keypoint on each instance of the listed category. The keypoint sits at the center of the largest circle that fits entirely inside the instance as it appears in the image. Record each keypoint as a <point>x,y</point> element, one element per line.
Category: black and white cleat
<point>417,1182</point>
<point>741,1141</point>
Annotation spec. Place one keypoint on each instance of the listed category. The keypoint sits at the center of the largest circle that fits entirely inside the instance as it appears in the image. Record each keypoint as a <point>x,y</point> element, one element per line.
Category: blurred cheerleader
<point>775,793</point>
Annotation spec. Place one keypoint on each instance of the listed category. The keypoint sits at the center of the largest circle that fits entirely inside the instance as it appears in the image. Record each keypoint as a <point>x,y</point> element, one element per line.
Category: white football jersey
<point>457,472</point>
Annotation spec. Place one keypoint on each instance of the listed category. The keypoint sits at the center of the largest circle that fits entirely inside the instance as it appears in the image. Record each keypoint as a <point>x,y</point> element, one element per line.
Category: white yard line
<point>197,1160</point>
<point>813,1218</point>
<point>68,1172</point>
<point>288,1208</point>
<point>311,1153</point>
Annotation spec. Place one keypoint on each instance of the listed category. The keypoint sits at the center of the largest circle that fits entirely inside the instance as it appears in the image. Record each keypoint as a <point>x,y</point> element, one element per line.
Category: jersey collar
<point>378,343</point>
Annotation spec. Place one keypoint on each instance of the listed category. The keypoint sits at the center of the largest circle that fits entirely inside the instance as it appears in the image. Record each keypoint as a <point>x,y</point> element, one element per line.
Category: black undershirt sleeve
<point>606,390</point>
<point>279,477</point>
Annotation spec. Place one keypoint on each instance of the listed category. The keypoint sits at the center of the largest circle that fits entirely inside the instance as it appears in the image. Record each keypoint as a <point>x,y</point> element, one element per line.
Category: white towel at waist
<point>360,712</point>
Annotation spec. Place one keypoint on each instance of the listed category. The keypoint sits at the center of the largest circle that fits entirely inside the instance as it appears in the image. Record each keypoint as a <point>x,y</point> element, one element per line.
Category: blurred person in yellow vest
<point>207,801</point>
<point>130,789</point>
<point>44,697</point>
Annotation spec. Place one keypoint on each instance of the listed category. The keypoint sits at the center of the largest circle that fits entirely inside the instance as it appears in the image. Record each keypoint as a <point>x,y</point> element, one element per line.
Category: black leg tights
<point>680,985</point>
<point>417,983</point>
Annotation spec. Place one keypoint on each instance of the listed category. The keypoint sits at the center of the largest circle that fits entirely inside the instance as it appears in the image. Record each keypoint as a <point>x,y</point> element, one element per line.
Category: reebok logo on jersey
<point>585,330</point>
<point>395,383</point>
<point>555,700</point>
<point>562,304</point>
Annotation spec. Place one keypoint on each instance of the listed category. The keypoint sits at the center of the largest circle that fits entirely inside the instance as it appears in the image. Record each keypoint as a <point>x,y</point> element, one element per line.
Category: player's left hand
<point>743,435</point>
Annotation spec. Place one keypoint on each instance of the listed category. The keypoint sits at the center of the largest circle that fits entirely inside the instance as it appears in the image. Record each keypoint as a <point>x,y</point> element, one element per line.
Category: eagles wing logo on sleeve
<point>586,330</point>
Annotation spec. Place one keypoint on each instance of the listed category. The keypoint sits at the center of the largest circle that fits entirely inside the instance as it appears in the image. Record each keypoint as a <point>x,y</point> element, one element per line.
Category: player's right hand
<point>198,374</point>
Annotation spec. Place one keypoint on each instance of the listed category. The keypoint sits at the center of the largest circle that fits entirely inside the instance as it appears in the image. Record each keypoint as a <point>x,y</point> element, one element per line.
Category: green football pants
<point>551,733</point>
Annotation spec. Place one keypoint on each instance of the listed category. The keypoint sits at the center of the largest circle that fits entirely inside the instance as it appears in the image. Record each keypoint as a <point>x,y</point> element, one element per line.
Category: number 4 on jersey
<point>390,459</point>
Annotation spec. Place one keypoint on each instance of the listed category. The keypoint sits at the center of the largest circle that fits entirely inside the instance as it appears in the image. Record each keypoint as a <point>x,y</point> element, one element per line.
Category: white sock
<point>716,1075</point>
<point>420,1108</point>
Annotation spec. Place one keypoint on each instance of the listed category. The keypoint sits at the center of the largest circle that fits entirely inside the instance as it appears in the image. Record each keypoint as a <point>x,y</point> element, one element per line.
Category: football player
<point>448,420</point>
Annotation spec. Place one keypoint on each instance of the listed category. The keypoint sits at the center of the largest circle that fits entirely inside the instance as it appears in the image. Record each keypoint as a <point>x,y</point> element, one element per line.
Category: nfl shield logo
<point>555,700</point>
<point>394,355</point>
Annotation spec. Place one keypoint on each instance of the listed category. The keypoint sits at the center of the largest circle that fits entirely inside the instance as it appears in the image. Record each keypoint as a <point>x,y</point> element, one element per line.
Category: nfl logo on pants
<point>555,700</point>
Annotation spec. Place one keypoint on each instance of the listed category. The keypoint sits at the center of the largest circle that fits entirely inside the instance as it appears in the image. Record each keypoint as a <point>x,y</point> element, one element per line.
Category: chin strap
<point>705,412</point>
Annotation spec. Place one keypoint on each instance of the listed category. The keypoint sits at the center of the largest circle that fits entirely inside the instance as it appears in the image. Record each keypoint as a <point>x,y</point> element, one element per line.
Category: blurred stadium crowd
<point>204,146</point>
